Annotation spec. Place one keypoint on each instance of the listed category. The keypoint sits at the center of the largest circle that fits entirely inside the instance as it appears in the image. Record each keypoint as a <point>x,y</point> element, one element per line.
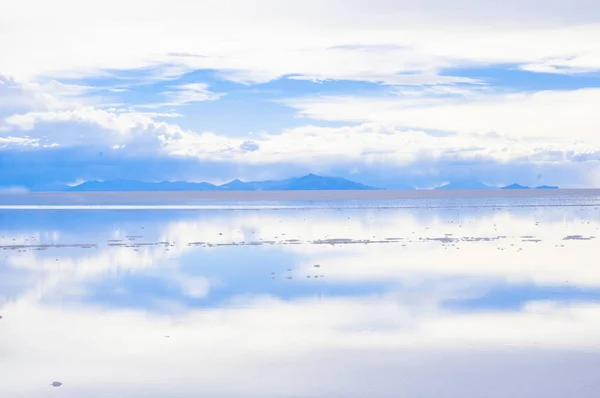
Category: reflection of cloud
<point>341,347</point>
<point>526,246</point>
<point>508,256</point>
<point>353,345</point>
<point>67,276</point>
<point>543,265</point>
<point>13,282</point>
<point>194,287</point>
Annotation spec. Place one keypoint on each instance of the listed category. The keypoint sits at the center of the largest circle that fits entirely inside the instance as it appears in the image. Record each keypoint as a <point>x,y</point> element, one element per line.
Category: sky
<point>391,93</point>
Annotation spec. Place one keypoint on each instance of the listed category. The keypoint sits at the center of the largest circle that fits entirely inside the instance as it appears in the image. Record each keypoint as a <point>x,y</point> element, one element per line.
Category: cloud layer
<point>416,87</point>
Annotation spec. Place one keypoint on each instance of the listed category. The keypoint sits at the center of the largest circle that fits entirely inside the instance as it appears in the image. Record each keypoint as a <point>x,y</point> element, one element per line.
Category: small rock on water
<point>56,384</point>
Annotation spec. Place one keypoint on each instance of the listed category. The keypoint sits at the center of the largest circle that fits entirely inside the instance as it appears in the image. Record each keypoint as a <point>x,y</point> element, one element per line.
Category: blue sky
<point>388,93</point>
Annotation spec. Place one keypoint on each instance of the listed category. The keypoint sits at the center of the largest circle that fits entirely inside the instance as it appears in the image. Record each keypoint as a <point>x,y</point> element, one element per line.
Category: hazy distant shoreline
<point>188,197</point>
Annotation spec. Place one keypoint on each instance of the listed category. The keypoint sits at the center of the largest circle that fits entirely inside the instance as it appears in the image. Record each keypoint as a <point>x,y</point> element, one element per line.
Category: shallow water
<point>438,297</point>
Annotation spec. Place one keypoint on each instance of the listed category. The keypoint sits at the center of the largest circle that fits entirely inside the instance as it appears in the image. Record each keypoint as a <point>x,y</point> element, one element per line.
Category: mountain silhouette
<point>132,185</point>
<point>516,186</point>
<point>310,182</point>
<point>474,184</point>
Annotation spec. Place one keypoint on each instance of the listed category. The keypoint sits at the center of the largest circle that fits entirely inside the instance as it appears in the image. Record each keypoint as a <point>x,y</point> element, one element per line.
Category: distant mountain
<point>516,186</point>
<point>236,185</point>
<point>310,182</point>
<point>467,184</point>
<point>131,185</point>
<point>473,184</point>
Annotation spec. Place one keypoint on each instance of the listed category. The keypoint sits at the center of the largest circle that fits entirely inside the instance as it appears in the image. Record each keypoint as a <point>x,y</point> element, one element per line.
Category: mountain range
<point>310,182</point>
<point>472,184</point>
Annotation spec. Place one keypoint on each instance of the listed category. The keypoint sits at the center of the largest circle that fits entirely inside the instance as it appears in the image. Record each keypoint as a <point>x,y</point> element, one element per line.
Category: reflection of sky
<point>502,296</point>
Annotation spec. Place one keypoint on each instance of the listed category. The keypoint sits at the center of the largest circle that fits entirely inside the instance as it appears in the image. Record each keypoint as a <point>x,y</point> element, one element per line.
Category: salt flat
<point>427,297</point>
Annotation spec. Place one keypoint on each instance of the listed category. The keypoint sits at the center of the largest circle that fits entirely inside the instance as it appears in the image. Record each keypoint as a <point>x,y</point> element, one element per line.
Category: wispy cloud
<point>192,92</point>
<point>376,39</point>
<point>563,115</point>
<point>184,94</point>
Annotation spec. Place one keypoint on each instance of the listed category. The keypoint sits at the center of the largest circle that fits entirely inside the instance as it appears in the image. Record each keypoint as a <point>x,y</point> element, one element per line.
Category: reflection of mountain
<point>310,182</point>
<point>546,187</point>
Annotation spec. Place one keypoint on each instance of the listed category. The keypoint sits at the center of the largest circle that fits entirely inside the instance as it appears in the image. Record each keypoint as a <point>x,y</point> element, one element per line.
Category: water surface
<point>419,297</point>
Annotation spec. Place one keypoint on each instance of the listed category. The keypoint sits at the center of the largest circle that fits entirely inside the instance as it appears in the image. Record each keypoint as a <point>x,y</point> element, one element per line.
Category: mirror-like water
<point>469,299</point>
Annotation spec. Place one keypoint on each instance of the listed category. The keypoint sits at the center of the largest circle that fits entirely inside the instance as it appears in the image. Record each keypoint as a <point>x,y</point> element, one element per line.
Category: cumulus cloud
<point>539,126</point>
<point>57,114</point>
<point>373,148</point>
<point>22,95</point>
<point>371,143</point>
<point>518,123</point>
<point>87,126</point>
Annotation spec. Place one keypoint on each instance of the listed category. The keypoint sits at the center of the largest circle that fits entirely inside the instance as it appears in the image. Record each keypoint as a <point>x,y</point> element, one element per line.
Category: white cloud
<point>184,94</point>
<point>193,92</point>
<point>19,95</point>
<point>396,43</point>
<point>550,115</point>
<point>368,144</point>
<point>9,141</point>
<point>64,115</point>
<point>87,126</point>
<point>359,39</point>
<point>550,127</point>
<point>371,143</point>
<point>118,122</point>
<point>77,181</point>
